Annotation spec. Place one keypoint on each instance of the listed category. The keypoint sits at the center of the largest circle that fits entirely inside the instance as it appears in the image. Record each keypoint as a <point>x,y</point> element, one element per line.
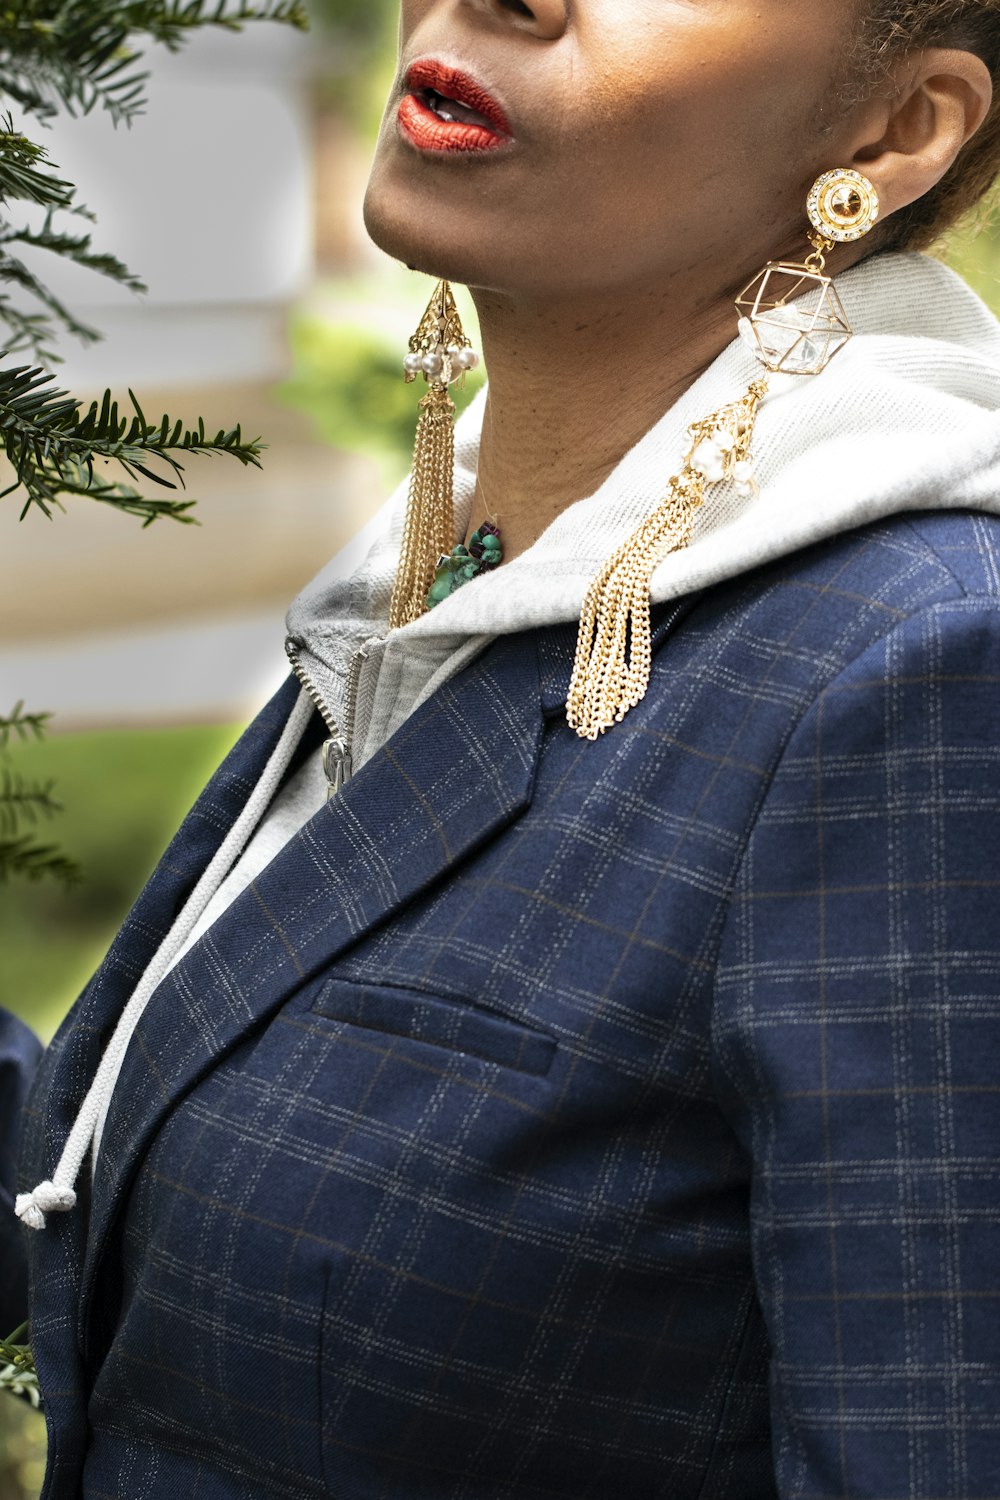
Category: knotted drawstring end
<point>58,1196</point>
<point>46,1198</point>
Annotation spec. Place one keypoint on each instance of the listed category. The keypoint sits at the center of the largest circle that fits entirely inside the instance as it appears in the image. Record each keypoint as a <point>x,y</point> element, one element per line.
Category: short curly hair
<point>890,29</point>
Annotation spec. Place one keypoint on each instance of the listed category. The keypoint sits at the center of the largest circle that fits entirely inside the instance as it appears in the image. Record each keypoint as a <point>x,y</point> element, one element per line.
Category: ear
<point>938,99</point>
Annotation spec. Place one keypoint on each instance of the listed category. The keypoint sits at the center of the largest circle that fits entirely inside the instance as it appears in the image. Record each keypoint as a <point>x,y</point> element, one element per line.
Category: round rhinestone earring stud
<point>843,206</point>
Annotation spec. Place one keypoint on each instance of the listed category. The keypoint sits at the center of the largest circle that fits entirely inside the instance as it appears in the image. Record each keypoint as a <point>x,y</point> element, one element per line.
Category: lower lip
<point>428,132</point>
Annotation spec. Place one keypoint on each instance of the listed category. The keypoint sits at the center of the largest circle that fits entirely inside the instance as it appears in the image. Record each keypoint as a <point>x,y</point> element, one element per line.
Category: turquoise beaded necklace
<point>462,564</point>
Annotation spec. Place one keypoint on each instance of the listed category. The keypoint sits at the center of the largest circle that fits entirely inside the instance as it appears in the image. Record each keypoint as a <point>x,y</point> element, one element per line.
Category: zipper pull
<point>337,763</point>
<point>338,766</point>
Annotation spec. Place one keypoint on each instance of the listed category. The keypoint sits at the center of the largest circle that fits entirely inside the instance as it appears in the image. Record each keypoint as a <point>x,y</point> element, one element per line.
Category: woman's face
<point>648,139</point>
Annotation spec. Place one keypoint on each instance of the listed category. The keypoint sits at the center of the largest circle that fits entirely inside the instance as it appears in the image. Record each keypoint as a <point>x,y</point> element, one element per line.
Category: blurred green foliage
<point>361,37</point>
<point>22,1450</point>
<point>347,371</point>
<point>974,252</point>
<point>364,21</point>
<point>125,791</point>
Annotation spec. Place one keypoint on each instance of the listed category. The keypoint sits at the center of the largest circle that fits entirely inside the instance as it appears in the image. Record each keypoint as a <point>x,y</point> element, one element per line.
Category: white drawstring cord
<point>57,1195</point>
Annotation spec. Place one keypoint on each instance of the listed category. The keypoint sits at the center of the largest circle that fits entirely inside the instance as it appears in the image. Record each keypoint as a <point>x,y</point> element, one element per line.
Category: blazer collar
<point>460,769</point>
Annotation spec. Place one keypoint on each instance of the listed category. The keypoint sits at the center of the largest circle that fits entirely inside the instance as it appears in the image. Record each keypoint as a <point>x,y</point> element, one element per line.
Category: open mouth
<point>452,111</point>
<point>446,110</point>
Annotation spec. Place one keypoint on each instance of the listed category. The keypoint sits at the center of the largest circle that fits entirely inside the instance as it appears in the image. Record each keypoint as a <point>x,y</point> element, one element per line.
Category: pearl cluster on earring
<point>439,350</point>
<point>445,365</point>
<point>714,459</point>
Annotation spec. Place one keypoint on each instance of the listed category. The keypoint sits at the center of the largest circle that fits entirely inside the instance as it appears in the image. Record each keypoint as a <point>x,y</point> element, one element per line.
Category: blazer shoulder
<point>871,578</point>
<point>769,642</point>
<point>965,544</point>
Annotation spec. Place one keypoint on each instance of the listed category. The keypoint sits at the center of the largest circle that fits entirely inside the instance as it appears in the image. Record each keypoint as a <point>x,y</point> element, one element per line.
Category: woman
<point>613,1116</point>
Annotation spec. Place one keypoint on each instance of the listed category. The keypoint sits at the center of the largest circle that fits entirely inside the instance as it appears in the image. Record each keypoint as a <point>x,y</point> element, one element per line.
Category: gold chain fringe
<point>614,645</point>
<point>430,512</point>
<point>429,528</point>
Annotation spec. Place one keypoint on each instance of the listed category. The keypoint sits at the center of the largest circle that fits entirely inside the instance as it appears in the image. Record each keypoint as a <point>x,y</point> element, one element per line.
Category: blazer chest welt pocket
<point>437,1021</point>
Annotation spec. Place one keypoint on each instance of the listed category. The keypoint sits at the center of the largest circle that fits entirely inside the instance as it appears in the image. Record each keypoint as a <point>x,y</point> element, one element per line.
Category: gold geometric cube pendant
<point>792,319</point>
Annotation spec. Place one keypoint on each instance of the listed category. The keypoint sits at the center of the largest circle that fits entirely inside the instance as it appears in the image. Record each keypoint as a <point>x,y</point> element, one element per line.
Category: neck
<point>572,389</point>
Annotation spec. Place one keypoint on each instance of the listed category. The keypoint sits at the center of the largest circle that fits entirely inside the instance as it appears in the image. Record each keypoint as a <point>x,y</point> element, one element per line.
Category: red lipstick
<point>446,110</point>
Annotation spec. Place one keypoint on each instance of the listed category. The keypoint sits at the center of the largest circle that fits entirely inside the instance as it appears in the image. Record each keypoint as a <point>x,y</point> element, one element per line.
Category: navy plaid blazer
<point>565,1119</point>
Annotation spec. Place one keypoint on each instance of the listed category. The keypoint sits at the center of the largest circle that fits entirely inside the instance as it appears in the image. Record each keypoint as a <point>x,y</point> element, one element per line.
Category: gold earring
<point>794,322</point>
<point>843,205</point>
<point>441,353</point>
<point>791,315</point>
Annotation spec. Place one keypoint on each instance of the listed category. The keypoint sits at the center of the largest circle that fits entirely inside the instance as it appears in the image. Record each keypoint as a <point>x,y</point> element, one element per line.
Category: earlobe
<point>943,96</point>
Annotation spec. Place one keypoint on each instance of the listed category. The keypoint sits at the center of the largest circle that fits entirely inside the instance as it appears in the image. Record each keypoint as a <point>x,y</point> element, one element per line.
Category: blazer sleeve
<point>857,1054</point>
<point>19,1054</point>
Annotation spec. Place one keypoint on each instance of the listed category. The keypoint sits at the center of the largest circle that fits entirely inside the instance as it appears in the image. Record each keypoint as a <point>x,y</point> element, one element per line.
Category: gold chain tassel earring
<point>614,645</point>
<point>442,354</point>
<point>792,319</point>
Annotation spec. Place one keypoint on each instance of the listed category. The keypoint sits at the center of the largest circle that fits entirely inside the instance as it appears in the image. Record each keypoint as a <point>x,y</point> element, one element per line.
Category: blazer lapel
<point>459,770</point>
<point>76,1050</point>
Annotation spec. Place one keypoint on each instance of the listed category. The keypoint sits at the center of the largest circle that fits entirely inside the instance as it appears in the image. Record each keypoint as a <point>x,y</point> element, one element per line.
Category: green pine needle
<point>23,801</point>
<point>18,725</point>
<point>25,858</point>
<point>53,448</point>
<point>80,55</point>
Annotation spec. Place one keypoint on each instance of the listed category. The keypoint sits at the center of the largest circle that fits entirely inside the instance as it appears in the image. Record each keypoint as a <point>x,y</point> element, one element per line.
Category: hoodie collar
<point>905,418</point>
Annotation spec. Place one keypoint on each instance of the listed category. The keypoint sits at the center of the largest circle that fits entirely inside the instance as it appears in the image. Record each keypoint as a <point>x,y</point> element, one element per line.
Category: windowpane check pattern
<point>565,1119</point>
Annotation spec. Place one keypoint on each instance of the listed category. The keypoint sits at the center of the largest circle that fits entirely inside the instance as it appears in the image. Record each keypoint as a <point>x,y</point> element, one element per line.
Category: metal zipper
<point>338,763</point>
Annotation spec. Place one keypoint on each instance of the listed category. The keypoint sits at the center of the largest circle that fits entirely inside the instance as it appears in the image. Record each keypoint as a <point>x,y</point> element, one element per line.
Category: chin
<point>413,222</point>
<point>419,242</point>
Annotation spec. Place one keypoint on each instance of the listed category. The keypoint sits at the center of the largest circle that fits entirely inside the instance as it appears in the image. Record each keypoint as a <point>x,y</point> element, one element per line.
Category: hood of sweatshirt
<point>907,417</point>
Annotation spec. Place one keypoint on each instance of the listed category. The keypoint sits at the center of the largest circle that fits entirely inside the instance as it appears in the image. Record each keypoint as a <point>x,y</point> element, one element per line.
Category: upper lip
<point>452,83</point>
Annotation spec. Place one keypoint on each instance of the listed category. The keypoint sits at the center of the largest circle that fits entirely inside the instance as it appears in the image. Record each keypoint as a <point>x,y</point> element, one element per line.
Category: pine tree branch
<point>22,176</point>
<point>42,85</point>
<point>24,802</point>
<point>27,333</point>
<point>16,273</point>
<point>79,53</point>
<point>22,726</point>
<point>53,449</point>
<point>25,170</point>
<point>167,20</point>
<point>26,859</point>
<point>75,247</point>
<point>121,497</point>
<point>34,333</point>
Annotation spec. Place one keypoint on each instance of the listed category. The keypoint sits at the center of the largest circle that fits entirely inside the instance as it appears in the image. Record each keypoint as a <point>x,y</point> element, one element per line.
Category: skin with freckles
<point>661,153</point>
